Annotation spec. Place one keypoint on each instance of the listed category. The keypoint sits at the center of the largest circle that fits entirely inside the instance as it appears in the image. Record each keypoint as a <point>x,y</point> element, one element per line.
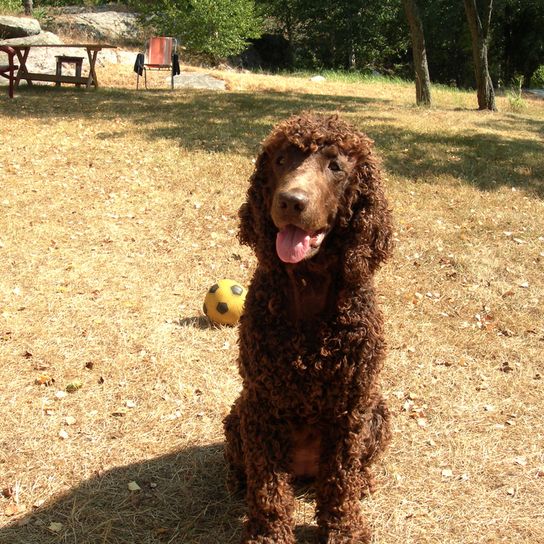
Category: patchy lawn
<point>118,209</point>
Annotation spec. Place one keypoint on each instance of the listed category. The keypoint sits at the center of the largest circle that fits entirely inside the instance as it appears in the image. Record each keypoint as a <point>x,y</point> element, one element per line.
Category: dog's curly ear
<point>256,228</point>
<point>368,222</point>
<point>249,210</point>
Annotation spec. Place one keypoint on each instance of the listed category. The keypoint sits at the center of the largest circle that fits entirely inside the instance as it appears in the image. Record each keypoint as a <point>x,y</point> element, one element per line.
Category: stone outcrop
<point>18,27</point>
<point>43,38</point>
<point>105,26</point>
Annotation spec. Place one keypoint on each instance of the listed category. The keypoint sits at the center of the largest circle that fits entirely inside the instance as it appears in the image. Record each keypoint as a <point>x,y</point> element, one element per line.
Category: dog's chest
<point>311,298</point>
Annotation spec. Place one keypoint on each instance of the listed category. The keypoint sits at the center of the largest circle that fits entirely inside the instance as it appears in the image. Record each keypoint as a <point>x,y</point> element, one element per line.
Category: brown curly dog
<point>311,340</point>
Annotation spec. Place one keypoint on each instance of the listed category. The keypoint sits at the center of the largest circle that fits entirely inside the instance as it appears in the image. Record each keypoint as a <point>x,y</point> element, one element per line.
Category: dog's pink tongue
<point>292,244</point>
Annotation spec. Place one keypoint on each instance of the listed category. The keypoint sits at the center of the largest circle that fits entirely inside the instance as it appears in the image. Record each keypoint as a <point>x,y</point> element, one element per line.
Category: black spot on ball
<point>222,307</point>
<point>214,288</point>
<point>237,290</point>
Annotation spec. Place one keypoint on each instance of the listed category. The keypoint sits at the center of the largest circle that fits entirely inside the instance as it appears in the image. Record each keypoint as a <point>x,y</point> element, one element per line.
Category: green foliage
<point>215,28</point>
<point>514,95</point>
<point>352,76</point>
<point>10,6</point>
<point>341,34</point>
<point>538,77</point>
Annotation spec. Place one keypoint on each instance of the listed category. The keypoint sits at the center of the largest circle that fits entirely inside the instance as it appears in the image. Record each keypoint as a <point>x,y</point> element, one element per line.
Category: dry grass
<point>118,210</point>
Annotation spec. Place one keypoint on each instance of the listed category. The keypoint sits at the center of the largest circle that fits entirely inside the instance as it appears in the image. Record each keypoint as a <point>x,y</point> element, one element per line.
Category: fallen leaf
<point>522,461</point>
<point>55,526</point>
<point>133,486</point>
<point>13,509</point>
<point>7,492</point>
<point>74,386</point>
<point>44,379</point>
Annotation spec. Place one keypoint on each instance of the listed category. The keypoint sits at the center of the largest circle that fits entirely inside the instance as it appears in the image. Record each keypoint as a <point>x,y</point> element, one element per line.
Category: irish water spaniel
<point>311,340</point>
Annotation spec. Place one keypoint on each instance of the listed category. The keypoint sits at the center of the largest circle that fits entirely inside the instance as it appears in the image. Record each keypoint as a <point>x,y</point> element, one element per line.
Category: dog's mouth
<point>294,244</point>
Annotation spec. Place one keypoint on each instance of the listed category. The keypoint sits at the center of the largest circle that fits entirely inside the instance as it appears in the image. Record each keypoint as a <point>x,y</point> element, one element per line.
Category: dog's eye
<point>280,161</point>
<point>334,166</point>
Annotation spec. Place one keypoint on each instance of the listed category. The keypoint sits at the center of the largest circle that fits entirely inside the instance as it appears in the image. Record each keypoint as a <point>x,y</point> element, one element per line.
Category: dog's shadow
<point>182,498</point>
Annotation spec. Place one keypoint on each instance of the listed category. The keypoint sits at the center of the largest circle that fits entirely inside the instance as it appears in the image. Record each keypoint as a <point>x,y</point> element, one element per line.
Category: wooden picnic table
<point>22,51</point>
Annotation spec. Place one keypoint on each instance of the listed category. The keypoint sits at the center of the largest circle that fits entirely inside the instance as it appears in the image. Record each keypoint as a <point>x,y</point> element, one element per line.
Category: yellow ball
<point>224,302</point>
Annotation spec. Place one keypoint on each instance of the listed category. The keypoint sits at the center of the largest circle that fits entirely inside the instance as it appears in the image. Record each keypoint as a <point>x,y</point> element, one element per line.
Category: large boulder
<point>43,38</point>
<point>106,26</point>
<point>18,27</point>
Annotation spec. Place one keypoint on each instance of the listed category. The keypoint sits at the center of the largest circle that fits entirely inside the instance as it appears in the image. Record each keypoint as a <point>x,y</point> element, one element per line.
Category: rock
<point>193,80</point>
<point>317,79</point>
<point>107,26</point>
<point>116,56</point>
<point>18,27</point>
<point>42,59</point>
<point>43,38</point>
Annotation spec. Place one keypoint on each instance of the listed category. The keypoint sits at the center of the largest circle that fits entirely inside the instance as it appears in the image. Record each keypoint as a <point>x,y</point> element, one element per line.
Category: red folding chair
<point>9,71</point>
<point>159,54</point>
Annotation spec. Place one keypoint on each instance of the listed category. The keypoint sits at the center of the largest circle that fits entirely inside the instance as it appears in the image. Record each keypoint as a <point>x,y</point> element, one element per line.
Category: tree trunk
<point>27,4</point>
<point>479,31</point>
<point>421,69</point>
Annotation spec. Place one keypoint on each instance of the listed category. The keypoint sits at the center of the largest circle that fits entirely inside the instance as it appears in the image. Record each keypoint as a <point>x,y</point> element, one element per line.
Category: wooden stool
<point>78,61</point>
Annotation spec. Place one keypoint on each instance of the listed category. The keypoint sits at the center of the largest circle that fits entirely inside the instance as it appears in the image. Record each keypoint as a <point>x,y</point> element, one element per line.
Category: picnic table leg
<point>22,55</point>
<point>92,79</point>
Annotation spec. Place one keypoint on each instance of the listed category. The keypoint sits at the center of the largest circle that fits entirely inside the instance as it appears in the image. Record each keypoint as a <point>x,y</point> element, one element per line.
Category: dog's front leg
<point>338,487</point>
<point>270,498</point>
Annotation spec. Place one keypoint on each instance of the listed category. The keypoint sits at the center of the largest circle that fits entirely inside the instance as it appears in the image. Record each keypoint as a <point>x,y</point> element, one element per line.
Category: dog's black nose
<point>293,201</point>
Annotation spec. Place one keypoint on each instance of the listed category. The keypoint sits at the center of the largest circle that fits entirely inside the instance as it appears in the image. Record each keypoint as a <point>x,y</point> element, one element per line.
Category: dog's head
<point>316,193</point>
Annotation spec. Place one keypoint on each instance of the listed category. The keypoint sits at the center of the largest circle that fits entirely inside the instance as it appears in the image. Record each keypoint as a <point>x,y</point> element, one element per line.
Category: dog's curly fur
<point>311,340</point>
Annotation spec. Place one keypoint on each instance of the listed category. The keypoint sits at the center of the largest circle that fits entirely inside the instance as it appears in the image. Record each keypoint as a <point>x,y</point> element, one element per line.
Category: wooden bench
<point>77,61</point>
<point>9,71</point>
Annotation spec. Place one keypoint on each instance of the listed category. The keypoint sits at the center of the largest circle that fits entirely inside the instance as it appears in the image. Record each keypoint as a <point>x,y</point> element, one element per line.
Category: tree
<point>342,34</point>
<point>27,4</point>
<point>479,22</point>
<point>518,38</point>
<point>421,69</point>
<point>215,28</point>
